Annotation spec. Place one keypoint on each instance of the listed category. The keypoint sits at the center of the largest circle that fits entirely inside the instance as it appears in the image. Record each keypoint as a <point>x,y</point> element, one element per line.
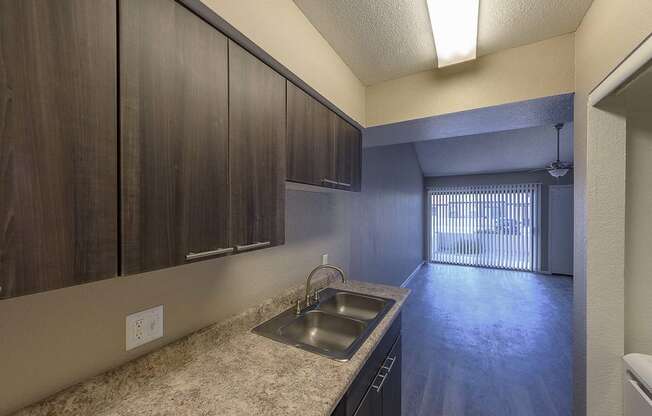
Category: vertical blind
<point>489,225</point>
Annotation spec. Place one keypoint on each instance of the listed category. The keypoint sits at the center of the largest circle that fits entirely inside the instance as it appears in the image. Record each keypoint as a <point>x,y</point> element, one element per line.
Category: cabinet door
<point>391,389</point>
<point>309,139</point>
<point>174,124</point>
<point>356,159</point>
<point>371,404</point>
<point>346,155</point>
<point>58,144</point>
<point>256,151</point>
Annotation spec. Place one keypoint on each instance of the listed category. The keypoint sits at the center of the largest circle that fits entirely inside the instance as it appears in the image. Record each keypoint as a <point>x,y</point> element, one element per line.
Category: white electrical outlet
<point>324,258</point>
<point>143,327</point>
<point>139,329</point>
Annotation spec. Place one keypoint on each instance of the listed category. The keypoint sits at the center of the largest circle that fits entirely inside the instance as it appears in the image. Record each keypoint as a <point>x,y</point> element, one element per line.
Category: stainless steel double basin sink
<point>335,327</point>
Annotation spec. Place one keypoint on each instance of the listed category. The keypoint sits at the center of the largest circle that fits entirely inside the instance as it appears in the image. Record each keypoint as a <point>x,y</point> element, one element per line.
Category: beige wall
<point>54,339</point>
<point>279,27</point>
<point>532,71</point>
<point>608,33</point>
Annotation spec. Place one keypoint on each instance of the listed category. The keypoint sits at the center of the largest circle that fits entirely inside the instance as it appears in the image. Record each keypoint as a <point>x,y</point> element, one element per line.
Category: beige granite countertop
<point>225,369</point>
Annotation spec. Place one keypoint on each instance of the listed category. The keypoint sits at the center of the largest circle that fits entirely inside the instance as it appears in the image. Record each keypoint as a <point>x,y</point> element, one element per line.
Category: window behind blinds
<point>489,225</point>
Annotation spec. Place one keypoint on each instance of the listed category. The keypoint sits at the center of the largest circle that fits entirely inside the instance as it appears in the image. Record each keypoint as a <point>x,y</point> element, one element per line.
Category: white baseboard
<point>414,272</point>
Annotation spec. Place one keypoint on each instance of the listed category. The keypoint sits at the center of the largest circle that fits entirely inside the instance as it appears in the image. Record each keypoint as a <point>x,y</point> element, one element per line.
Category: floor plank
<point>487,342</point>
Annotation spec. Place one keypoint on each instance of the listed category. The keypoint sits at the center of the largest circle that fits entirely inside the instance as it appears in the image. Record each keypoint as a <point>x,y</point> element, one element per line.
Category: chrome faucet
<point>309,301</point>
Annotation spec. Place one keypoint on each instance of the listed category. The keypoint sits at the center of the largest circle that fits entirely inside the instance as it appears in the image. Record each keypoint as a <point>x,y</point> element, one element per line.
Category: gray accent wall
<point>511,178</point>
<point>503,151</point>
<point>545,111</point>
<point>388,227</point>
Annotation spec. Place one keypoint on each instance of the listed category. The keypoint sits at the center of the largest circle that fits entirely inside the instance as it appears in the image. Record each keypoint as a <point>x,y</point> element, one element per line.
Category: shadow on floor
<point>487,342</point>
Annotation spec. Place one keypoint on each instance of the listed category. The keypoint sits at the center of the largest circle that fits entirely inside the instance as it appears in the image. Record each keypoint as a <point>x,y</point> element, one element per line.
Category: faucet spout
<point>314,271</point>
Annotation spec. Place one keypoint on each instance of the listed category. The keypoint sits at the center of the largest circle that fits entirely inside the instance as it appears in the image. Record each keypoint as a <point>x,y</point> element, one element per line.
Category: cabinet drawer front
<point>174,115</point>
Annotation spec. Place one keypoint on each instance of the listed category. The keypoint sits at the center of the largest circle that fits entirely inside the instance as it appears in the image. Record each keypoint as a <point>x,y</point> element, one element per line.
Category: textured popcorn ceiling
<point>386,39</point>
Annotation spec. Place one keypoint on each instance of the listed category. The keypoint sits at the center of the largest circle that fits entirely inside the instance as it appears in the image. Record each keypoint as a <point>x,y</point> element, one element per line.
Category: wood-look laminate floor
<point>480,342</point>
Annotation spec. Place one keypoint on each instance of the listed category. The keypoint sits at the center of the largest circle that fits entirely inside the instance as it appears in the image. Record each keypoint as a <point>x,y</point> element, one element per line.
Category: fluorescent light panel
<point>455,28</point>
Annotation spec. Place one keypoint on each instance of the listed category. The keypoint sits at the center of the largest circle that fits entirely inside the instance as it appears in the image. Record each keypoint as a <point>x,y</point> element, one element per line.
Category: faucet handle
<point>298,310</point>
<point>317,292</point>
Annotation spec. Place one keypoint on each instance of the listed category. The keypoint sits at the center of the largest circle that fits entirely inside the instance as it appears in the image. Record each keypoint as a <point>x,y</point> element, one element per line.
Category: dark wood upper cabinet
<point>172,147</point>
<point>58,144</point>
<point>322,148</point>
<point>346,156</point>
<point>356,160</point>
<point>310,148</point>
<point>256,151</point>
<point>174,136</point>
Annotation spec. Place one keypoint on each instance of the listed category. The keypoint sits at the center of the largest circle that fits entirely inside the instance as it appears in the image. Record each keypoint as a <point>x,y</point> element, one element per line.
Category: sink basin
<point>335,328</point>
<point>324,331</point>
<point>353,305</point>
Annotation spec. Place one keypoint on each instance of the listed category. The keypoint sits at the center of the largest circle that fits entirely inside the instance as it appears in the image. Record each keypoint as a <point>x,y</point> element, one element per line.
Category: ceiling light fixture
<point>455,29</point>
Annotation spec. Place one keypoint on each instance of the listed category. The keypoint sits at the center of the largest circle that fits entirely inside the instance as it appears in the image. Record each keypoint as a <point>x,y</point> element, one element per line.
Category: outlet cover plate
<point>143,327</point>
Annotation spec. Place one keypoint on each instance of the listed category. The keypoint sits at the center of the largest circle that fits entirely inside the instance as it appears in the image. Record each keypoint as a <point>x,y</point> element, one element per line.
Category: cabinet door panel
<point>256,150</point>
<point>343,149</point>
<point>346,154</point>
<point>309,139</point>
<point>356,160</point>
<point>371,404</point>
<point>58,144</point>
<point>174,110</point>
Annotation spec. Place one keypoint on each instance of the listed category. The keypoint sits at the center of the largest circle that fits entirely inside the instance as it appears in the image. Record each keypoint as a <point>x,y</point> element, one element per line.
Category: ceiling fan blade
<point>538,170</point>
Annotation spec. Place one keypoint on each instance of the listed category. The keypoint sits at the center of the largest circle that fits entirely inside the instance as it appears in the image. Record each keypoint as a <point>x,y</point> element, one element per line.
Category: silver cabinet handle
<point>391,364</point>
<point>332,182</point>
<point>383,377</point>
<point>379,386</point>
<point>252,246</point>
<point>193,256</point>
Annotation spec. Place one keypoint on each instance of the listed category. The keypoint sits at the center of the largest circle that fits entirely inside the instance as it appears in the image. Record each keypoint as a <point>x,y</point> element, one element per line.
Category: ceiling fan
<point>557,168</point>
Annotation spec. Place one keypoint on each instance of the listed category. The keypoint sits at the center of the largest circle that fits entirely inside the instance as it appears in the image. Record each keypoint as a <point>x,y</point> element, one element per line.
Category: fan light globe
<point>557,173</point>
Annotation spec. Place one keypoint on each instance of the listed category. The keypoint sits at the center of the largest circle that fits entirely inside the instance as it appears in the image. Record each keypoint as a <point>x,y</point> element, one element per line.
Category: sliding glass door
<point>489,226</point>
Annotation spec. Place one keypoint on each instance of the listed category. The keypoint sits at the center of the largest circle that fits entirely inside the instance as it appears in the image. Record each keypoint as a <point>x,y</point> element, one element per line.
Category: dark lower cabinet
<point>376,391</point>
<point>390,388</point>
<point>256,152</point>
<point>384,395</point>
<point>175,139</point>
<point>371,404</point>
<point>58,144</point>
